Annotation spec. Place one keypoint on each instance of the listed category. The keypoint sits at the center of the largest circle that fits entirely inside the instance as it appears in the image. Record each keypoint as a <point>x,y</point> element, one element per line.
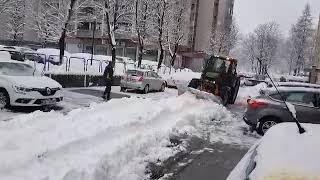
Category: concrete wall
<point>204,24</point>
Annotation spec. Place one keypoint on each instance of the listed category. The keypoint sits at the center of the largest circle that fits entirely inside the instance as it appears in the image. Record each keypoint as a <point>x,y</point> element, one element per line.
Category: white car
<point>22,85</point>
<point>144,80</point>
<point>283,153</point>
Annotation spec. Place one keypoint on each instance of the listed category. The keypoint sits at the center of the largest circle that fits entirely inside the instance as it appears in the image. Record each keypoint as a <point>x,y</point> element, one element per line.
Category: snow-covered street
<point>110,140</point>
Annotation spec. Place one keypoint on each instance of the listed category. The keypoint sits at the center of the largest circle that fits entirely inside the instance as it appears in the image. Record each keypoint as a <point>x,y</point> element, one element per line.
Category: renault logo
<point>49,91</point>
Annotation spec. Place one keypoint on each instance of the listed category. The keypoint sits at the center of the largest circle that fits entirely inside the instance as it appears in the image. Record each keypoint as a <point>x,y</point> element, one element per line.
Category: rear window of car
<point>304,98</point>
<point>135,72</point>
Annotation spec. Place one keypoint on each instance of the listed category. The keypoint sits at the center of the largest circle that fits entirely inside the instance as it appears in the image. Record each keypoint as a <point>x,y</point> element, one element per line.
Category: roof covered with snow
<point>283,153</point>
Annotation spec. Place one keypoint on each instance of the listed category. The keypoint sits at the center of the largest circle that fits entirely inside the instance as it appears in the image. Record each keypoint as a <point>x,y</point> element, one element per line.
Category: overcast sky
<point>250,13</point>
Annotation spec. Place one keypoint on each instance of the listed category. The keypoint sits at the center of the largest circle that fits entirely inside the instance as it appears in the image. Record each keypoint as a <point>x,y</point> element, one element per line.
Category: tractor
<point>219,77</point>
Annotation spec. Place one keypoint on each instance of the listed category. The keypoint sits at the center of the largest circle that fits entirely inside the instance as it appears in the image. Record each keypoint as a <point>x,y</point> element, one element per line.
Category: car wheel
<point>163,87</point>
<point>4,99</point>
<point>266,124</point>
<point>146,89</point>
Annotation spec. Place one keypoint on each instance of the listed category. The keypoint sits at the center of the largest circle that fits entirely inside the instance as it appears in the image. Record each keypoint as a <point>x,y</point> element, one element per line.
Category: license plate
<point>49,102</point>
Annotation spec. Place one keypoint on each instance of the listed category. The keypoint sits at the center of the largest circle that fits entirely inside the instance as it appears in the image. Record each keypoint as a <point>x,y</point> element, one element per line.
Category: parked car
<point>282,154</point>
<point>268,109</point>
<point>30,54</point>
<point>295,84</point>
<point>15,54</point>
<point>144,80</point>
<point>22,85</point>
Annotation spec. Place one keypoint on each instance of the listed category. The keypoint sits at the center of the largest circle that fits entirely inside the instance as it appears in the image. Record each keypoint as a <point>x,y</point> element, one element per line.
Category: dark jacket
<point>108,75</point>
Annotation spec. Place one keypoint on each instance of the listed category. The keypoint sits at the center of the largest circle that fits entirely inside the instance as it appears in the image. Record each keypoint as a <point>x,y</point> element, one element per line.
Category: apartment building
<point>206,17</point>
<point>315,71</point>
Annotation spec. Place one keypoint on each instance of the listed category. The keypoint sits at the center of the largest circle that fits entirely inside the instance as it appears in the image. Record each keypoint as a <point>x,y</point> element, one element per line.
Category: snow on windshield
<point>16,69</point>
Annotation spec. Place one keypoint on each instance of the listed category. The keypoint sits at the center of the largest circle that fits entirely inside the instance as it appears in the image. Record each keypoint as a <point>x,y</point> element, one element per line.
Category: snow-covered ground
<point>113,140</point>
<point>91,140</point>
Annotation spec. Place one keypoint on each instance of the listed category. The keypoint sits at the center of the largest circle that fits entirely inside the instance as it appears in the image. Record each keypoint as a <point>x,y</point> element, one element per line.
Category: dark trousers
<point>107,91</point>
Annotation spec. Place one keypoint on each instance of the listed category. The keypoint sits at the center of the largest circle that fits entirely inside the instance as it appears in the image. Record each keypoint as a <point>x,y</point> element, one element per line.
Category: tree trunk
<point>160,57</point>
<point>140,54</point>
<point>113,54</point>
<point>64,30</point>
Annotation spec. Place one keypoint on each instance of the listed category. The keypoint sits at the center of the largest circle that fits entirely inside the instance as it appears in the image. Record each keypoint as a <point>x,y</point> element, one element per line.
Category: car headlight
<point>21,89</point>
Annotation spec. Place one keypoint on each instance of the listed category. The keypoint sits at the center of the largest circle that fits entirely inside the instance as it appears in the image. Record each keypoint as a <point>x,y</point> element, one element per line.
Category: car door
<point>157,81</point>
<point>306,105</point>
<point>148,79</point>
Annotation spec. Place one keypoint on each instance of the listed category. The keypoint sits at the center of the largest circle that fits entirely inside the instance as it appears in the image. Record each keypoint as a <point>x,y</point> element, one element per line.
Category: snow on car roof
<point>141,70</point>
<point>290,89</point>
<point>307,89</point>
<point>297,84</point>
<point>284,151</point>
<point>5,56</point>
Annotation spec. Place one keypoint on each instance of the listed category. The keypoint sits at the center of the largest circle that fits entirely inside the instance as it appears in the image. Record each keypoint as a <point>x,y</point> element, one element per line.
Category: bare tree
<point>176,26</point>
<point>49,19</point>
<point>118,15</point>
<point>224,39</point>
<point>261,47</point>
<point>301,41</point>
<point>160,10</point>
<point>5,5</point>
<point>64,28</point>
<point>142,11</point>
<point>15,20</point>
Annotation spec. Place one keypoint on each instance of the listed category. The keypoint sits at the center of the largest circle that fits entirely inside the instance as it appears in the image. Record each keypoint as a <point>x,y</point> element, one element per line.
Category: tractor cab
<point>219,77</point>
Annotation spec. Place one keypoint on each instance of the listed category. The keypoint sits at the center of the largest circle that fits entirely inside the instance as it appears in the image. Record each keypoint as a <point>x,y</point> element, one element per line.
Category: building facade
<point>315,71</point>
<point>206,17</point>
<point>88,30</point>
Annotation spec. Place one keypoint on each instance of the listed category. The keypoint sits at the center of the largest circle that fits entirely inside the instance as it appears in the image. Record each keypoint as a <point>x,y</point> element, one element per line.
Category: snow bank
<point>52,52</point>
<point>113,140</point>
<point>246,92</point>
<point>284,153</point>
<point>183,76</point>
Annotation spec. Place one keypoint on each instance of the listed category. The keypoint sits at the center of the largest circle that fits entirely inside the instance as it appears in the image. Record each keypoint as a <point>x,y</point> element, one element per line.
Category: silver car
<point>268,109</point>
<point>143,80</point>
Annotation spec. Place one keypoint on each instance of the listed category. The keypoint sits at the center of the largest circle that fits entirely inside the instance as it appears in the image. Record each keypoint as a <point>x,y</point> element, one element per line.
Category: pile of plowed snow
<point>114,140</point>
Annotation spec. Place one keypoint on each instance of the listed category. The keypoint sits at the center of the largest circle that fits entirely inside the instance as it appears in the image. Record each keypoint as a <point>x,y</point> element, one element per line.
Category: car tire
<point>266,123</point>
<point>4,99</point>
<point>163,87</point>
<point>146,89</point>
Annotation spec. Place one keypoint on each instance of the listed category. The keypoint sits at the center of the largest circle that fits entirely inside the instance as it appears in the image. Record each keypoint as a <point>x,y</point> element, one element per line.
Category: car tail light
<point>140,79</point>
<point>256,104</point>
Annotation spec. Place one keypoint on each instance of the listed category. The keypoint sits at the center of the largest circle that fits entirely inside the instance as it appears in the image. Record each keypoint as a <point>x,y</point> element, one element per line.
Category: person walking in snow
<point>108,77</point>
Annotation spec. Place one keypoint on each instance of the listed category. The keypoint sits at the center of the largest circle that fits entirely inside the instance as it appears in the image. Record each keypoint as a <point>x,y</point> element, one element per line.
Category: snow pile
<point>183,76</point>
<point>52,54</point>
<point>113,140</point>
<point>246,92</point>
<point>284,152</point>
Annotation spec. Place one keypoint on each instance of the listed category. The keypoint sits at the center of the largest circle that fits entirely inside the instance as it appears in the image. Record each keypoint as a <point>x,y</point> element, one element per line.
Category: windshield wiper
<point>301,129</point>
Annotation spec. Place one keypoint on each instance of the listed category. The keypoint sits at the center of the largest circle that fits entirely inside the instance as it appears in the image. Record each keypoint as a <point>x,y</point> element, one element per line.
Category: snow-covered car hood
<point>33,81</point>
<point>283,153</point>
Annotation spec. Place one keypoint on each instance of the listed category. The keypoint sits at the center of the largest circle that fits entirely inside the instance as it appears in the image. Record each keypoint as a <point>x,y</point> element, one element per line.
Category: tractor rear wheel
<point>235,91</point>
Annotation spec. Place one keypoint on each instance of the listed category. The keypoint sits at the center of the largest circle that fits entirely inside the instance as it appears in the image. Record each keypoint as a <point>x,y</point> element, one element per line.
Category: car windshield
<point>16,69</point>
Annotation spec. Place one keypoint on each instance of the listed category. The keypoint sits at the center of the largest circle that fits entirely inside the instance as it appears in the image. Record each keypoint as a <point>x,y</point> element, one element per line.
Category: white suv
<point>22,85</point>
